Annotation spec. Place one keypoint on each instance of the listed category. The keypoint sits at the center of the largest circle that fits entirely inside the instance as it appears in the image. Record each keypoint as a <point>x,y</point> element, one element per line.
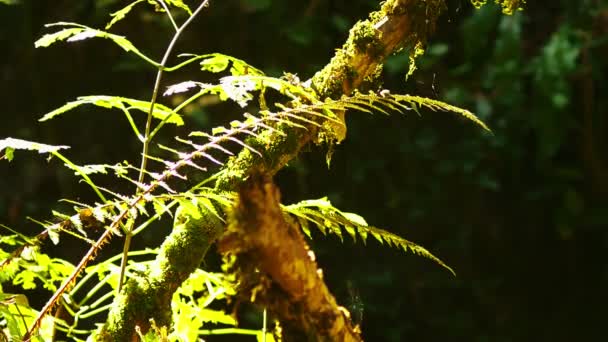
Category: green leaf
<point>161,112</point>
<point>179,4</point>
<point>77,32</point>
<point>358,220</point>
<point>327,218</point>
<point>51,38</point>
<point>217,62</point>
<point>122,13</point>
<point>9,154</point>
<point>80,32</point>
<point>12,144</point>
<point>215,316</point>
<point>91,168</point>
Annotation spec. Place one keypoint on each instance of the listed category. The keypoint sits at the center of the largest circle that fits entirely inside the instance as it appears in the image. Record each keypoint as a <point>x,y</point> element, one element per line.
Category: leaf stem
<point>162,3</point>
<point>147,138</point>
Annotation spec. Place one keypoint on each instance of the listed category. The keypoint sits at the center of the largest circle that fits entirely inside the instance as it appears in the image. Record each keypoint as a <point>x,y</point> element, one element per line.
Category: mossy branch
<point>148,297</point>
<point>265,244</point>
<point>399,24</point>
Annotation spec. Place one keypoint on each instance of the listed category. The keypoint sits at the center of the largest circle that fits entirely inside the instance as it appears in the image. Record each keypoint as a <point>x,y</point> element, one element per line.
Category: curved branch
<point>265,244</point>
<point>400,24</point>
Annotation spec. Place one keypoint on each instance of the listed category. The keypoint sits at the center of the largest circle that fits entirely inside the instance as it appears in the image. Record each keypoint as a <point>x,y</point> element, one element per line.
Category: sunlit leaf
<point>218,62</point>
<point>77,32</point>
<point>122,13</point>
<point>180,88</point>
<point>12,144</point>
<point>160,111</point>
<point>327,218</point>
<point>179,4</point>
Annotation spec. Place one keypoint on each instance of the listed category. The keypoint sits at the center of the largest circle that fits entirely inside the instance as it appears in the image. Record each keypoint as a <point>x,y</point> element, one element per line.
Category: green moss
<point>373,81</point>
<point>365,39</point>
<point>331,80</point>
<point>236,172</point>
<point>284,146</point>
<point>137,297</point>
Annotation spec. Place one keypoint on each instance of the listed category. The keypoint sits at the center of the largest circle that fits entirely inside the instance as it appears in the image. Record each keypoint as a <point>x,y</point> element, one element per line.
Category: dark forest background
<point>521,215</point>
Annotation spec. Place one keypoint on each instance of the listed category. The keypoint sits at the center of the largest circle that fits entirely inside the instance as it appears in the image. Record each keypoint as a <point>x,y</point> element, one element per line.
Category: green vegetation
<point>185,187</point>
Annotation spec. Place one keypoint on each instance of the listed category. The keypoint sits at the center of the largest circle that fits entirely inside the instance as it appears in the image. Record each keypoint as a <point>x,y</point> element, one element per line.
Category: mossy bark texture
<point>149,297</point>
<point>398,24</point>
<point>267,245</point>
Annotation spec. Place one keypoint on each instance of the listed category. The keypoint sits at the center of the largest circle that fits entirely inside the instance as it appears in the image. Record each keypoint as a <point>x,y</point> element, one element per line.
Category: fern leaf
<point>327,218</point>
<point>394,240</point>
<point>439,105</point>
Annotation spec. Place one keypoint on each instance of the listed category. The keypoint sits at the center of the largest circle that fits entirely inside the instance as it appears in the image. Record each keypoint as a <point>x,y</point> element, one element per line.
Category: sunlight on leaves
<point>12,144</point>
<point>77,32</point>
<point>161,112</point>
<point>217,62</point>
<point>122,13</point>
<point>329,219</point>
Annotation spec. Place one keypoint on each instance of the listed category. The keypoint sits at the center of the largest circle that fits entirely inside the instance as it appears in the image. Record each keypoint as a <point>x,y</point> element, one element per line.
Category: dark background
<point>521,215</point>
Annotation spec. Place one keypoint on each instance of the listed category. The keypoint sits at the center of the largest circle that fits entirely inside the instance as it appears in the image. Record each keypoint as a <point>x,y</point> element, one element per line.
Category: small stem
<point>159,75</point>
<point>146,143</point>
<point>82,174</point>
<point>175,111</point>
<point>125,253</point>
<point>162,3</point>
<point>264,326</point>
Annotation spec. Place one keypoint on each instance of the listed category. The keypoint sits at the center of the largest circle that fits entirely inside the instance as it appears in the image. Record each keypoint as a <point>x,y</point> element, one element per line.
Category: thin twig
<point>147,140</point>
<point>162,3</point>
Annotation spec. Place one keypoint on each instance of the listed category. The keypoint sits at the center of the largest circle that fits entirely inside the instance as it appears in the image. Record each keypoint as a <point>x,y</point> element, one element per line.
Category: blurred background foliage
<point>521,215</point>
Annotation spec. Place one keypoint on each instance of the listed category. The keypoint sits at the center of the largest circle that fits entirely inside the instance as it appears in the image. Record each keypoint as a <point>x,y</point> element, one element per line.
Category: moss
<point>332,80</point>
<point>195,228</point>
<point>373,81</point>
<point>237,172</point>
<point>365,39</point>
<point>136,297</point>
<point>286,145</point>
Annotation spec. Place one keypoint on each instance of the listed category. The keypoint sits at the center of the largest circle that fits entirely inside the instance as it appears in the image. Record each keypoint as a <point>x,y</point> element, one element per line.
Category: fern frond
<point>394,102</point>
<point>329,219</point>
<point>436,105</point>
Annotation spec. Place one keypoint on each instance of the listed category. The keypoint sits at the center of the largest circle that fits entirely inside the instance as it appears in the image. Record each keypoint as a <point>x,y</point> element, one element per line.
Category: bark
<point>274,266</point>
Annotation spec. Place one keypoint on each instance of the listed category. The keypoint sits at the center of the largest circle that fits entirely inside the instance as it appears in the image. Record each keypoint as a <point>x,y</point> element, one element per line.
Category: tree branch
<point>265,244</point>
<point>399,24</point>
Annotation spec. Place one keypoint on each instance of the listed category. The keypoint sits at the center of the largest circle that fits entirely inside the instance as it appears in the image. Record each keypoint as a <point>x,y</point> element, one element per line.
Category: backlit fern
<point>162,184</point>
